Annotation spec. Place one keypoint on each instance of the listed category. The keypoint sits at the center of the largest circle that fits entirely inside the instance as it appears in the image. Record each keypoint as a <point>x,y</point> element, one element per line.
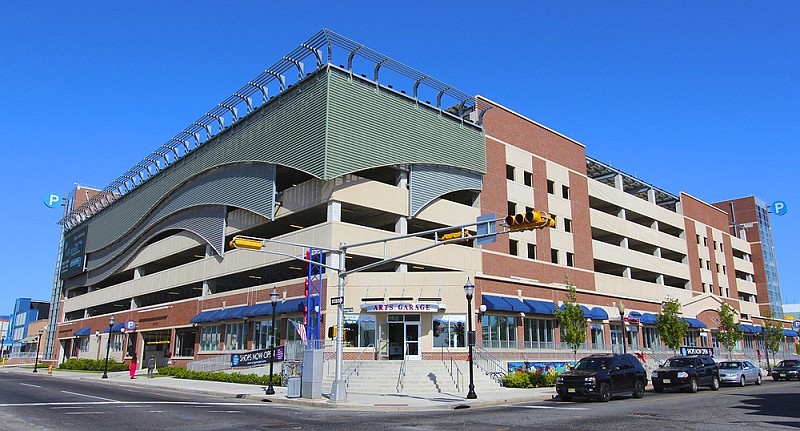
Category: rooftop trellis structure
<point>606,174</point>
<point>323,47</point>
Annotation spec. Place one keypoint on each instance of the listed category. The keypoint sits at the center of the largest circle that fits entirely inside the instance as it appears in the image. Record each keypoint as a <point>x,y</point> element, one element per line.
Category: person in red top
<point>133,368</point>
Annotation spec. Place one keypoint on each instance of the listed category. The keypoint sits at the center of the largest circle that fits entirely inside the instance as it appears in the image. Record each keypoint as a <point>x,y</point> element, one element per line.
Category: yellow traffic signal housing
<point>248,243</point>
<point>457,234</point>
<point>530,220</point>
<point>331,332</point>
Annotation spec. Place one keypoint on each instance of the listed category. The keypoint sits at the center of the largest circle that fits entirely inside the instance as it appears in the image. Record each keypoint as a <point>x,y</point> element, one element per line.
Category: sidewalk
<point>355,400</point>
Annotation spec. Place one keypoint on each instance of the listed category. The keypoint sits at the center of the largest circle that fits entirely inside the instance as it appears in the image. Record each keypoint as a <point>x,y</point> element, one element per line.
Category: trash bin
<point>293,387</point>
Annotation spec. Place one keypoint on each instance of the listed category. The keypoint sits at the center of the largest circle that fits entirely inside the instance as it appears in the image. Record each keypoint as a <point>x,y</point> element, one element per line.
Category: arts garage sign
<point>402,307</point>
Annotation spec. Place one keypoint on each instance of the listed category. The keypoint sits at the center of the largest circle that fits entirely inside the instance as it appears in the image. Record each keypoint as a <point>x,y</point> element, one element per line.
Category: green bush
<point>536,379</point>
<point>218,376</point>
<point>92,365</point>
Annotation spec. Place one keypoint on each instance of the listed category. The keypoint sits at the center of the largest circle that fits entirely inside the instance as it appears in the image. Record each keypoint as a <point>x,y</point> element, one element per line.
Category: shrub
<point>218,376</point>
<point>92,365</point>
<point>536,379</point>
<point>539,379</point>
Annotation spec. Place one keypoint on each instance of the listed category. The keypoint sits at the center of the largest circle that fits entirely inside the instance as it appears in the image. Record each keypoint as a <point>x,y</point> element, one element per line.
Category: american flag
<point>301,329</point>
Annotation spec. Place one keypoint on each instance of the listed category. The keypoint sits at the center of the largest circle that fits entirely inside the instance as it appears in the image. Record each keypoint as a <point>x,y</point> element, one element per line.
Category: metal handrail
<point>401,378</point>
<point>458,379</point>
<point>354,366</point>
<point>489,364</point>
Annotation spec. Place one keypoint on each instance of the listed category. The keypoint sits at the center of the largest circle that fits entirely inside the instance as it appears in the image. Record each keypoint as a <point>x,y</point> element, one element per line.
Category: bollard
<point>50,369</point>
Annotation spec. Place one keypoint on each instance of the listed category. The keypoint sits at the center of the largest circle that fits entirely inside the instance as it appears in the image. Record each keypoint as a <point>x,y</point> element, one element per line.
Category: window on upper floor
<point>527,177</point>
<point>513,247</point>
<point>567,225</point>
<point>532,251</point>
<point>724,270</point>
<point>512,208</point>
<point>551,187</point>
<point>570,259</point>
<point>705,241</point>
<point>698,239</point>
<point>565,192</point>
<point>509,172</point>
<point>554,255</point>
<point>715,245</point>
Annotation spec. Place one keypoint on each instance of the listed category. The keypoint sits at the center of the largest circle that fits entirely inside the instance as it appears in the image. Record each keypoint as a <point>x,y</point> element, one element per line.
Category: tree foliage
<point>729,332</point>
<point>773,332</point>
<point>669,325</point>
<point>572,321</point>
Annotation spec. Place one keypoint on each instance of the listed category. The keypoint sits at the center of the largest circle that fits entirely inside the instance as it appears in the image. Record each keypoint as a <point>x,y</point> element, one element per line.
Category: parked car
<point>602,375</point>
<point>686,372</point>
<point>739,372</point>
<point>787,370</point>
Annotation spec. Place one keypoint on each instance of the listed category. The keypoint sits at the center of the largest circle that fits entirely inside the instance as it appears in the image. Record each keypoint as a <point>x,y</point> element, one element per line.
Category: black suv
<point>686,372</point>
<point>603,375</point>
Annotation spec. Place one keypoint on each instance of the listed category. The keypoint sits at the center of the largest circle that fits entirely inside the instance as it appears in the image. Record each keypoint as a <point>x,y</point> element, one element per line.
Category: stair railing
<point>489,364</point>
<point>455,371</point>
<point>401,378</point>
<point>354,366</point>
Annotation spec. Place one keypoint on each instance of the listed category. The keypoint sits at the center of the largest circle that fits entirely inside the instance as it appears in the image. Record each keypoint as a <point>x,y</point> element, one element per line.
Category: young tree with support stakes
<point>729,332</point>
<point>773,335</point>
<point>572,321</point>
<point>670,327</point>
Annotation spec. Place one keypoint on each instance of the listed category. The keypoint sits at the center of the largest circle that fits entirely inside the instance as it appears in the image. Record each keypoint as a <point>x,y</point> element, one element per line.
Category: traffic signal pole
<point>442,236</point>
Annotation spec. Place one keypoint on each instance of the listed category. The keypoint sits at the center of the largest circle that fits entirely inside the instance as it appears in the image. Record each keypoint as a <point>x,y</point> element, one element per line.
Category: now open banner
<point>257,357</point>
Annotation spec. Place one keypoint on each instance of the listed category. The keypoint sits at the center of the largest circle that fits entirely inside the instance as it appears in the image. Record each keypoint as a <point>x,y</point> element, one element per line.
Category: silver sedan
<point>739,373</point>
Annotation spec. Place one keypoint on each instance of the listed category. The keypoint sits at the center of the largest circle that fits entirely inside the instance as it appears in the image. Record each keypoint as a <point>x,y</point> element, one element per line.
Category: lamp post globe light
<point>273,297</point>
<point>621,308</point>
<point>38,344</point>
<point>108,346</point>
<point>469,290</point>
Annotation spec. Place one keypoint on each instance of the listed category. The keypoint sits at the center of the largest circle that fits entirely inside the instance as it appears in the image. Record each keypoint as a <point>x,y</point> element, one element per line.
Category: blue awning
<point>116,328</point>
<point>647,319</point>
<point>749,329</point>
<point>540,307</point>
<point>790,332</point>
<point>233,313</point>
<point>502,303</point>
<point>206,316</point>
<point>694,323</point>
<point>635,314</point>
<point>83,332</point>
<point>584,308</point>
<point>242,311</point>
<point>290,306</point>
<point>597,313</point>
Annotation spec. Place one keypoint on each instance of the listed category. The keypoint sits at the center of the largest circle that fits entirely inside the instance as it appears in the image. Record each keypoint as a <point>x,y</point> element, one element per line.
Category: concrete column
<point>651,196</point>
<point>621,214</point>
<point>209,250</point>
<point>654,225</point>
<point>402,180</point>
<point>624,243</point>
<point>657,252</point>
<point>133,304</point>
<point>206,288</point>
<point>660,279</point>
<point>138,272</point>
<point>334,211</point>
<point>618,182</point>
<point>401,227</point>
<point>627,272</point>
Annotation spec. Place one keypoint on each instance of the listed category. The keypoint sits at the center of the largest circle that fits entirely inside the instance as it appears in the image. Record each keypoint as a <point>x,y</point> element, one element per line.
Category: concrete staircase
<point>422,377</point>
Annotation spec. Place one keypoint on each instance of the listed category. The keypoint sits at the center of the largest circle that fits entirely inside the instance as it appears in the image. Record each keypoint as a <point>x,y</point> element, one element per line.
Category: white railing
<point>490,365</point>
<point>401,378</point>
<point>216,363</point>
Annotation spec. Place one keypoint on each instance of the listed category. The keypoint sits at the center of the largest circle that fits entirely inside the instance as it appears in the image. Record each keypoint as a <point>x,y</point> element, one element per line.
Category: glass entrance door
<point>412,341</point>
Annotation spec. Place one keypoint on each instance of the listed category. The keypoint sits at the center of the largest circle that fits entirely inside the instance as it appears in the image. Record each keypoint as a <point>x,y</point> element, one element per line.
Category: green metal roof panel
<point>370,127</point>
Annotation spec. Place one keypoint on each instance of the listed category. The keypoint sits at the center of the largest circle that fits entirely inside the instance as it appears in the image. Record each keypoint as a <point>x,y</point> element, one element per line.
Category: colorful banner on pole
<point>256,357</point>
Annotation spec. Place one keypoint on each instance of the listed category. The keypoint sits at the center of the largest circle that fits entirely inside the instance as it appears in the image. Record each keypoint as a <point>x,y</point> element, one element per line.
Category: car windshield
<point>593,364</point>
<point>730,365</point>
<point>788,364</point>
<point>680,363</point>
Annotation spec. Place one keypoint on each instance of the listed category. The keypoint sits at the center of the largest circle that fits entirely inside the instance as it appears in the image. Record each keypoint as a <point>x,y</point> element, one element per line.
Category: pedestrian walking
<point>151,366</point>
<point>133,368</point>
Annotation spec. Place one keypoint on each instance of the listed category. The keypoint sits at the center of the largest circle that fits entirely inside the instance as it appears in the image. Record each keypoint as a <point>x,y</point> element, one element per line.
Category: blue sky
<point>701,97</point>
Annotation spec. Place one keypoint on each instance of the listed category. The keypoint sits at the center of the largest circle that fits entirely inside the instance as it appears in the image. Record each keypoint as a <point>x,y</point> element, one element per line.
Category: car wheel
<point>566,398</point>
<point>638,389</point>
<point>742,381</point>
<point>605,393</point>
<point>715,383</point>
<point>658,389</point>
<point>758,379</point>
<point>693,385</point>
<point>777,379</point>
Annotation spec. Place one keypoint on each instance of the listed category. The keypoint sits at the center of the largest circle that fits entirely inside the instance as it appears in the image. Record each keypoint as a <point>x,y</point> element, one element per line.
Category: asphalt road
<point>31,402</point>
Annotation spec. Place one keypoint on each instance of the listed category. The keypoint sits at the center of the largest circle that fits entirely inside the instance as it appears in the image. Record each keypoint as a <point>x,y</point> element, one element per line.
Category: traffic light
<point>332,332</point>
<point>463,233</point>
<point>530,220</point>
<point>245,242</point>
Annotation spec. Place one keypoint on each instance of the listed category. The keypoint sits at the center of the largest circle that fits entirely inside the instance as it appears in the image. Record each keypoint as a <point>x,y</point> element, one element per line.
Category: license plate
<point>666,380</point>
<point>783,375</point>
<point>570,390</point>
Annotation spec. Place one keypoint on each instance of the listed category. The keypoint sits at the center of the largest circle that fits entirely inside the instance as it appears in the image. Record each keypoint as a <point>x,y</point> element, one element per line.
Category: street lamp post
<point>38,344</point>
<point>621,308</point>
<point>273,297</point>
<point>469,290</point>
<point>108,346</point>
<point>3,349</point>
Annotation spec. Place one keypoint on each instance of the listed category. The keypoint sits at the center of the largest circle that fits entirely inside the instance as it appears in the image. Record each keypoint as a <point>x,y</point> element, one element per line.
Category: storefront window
<point>83,344</point>
<point>294,327</point>
<point>499,332</point>
<point>262,335</point>
<point>209,337</point>
<point>184,342</point>
<point>565,345</point>
<point>650,337</point>
<point>235,336</point>
<point>691,338</point>
<point>449,330</point>
<point>116,342</point>
<point>633,336</point>
<point>359,330</point>
<point>598,340</point>
<point>539,333</point>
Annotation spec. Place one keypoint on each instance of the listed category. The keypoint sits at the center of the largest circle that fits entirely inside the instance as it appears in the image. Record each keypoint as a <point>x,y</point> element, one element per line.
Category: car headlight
<point>560,379</point>
<point>683,374</point>
<point>655,374</point>
<point>590,380</point>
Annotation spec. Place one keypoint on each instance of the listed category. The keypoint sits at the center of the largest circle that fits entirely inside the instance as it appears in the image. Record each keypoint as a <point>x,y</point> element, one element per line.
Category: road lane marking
<point>85,413</point>
<point>70,407</point>
<point>28,384</point>
<point>90,396</point>
<point>225,411</point>
<point>85,404</point>
<point>554,408</point>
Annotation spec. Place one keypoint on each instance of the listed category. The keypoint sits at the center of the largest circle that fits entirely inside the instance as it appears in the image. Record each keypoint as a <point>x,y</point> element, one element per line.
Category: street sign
<point>632,319</point>
<point>796,325</point>
<point>130,325</point>
<point>486,227</point>
<point>337,300</point>
<point>778,208</point>
<point>348,310</point>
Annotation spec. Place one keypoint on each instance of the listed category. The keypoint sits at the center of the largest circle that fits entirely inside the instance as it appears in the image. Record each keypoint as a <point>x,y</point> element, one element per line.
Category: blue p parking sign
<point>778,208</point>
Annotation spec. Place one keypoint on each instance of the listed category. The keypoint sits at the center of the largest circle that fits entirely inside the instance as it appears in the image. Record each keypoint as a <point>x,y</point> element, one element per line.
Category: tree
<point>773,334</point>
<point>572,322</point>
<point>729,332</point>
<point>670,327</point>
